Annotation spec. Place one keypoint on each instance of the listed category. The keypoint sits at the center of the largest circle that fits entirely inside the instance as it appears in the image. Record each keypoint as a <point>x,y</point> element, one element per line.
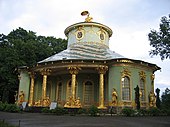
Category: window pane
<point>142,89</point>
<point>125,88</point>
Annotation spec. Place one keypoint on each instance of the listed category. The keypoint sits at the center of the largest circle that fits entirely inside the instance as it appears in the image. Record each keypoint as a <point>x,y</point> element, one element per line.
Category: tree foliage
<point>160,40</point>
<point>137,97</point>
<point>158,101</point>
<point>166,99</point>
<point>23,48</point>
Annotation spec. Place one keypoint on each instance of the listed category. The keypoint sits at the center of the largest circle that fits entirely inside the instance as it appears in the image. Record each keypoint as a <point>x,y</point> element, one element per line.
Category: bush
<point>11,108</point>
<point>143,112</point>
<point>93,110</point>
<point>128,112</point>
<point>2,106</point>
<point>82,111</point>
<point>154,112</point>
<point>58,111</point>
<point>45,110</point>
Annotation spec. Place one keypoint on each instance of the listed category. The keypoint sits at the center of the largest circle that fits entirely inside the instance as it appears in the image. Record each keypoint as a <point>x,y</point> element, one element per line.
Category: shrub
<point>11,108</point>
<point>58,111</point>
<point>45,110</point>
<point>143,112</point>
<point>2,106</point>
<point>93,110</point>
<point>82,111</point>
<point>128,112</point>
<point>154,112</point>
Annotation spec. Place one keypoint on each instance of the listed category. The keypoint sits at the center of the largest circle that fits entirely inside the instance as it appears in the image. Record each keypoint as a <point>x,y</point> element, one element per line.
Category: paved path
<point>44,120</point>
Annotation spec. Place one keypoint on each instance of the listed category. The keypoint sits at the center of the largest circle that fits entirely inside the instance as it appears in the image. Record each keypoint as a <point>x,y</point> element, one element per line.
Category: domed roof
<point>84,51</point>
<point>86,41</point>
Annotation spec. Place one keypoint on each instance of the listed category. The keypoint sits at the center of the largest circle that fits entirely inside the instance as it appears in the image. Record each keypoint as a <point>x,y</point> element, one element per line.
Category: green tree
<point>137,99</point>
<point>166,99</point>
<point>23,48</point>
<point>158,101</point>
<point>160,40</point>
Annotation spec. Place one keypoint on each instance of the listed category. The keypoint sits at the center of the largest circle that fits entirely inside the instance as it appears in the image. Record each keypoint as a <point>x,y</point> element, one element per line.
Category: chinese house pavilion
<point>87,73</point>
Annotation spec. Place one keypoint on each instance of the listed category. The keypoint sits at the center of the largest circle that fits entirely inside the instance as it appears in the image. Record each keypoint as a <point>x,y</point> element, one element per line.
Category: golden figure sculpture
<point>88,19</point>
<point>78,103</point>
<point>38,103</point>
<point>71,103</point>
<point>21,97</point>
<point>152,99</point>
<point>114,97</point>
<point>46,102</point>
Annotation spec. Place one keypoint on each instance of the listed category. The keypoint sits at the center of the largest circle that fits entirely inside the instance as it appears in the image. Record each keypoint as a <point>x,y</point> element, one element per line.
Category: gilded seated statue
<point>21,97</point>
<point>46,102</point>
<point>78,103</point>
<point>114,97</point>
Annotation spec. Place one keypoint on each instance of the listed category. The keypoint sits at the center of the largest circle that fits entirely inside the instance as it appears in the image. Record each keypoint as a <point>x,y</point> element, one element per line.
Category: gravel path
<point>44,120</point>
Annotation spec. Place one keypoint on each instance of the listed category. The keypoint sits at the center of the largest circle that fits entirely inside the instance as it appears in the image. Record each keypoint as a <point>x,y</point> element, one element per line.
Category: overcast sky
<point>130,20</point>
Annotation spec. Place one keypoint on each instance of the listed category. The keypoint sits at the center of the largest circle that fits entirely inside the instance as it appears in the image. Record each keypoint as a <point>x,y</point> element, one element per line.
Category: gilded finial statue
<point>88,19</point>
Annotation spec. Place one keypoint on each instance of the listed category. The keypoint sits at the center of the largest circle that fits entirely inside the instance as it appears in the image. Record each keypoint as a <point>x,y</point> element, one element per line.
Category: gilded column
<point>73,71</point>
<point>44,72</point>
<point>72,102</point>
<point>44,87</point>
<point>31,89</point>
<point>102,70</point>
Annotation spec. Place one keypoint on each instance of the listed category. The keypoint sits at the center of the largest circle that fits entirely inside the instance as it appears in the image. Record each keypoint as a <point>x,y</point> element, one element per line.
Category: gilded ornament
<point>88,18</point>
<point>126,72</point>
<point>142,75</point>
<point>80,33</point>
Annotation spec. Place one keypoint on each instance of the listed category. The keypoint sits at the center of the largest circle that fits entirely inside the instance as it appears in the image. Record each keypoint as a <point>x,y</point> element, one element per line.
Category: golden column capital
<point>102,69</point>
<point>45,71</point>
<point>74,69</point>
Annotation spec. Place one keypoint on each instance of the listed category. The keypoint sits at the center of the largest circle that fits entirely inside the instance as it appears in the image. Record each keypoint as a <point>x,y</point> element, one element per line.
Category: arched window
<point>125,88</point>
<point>88,93</point>
<point>142,89</point>
<point>59,91</point>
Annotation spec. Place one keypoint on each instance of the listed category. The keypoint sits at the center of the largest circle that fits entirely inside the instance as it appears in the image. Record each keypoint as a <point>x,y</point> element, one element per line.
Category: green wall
<point>24,84</point>
<point>114,80</point>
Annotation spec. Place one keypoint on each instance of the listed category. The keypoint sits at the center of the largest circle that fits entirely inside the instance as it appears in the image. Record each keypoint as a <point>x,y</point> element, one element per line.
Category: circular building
<point>88,73</point>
